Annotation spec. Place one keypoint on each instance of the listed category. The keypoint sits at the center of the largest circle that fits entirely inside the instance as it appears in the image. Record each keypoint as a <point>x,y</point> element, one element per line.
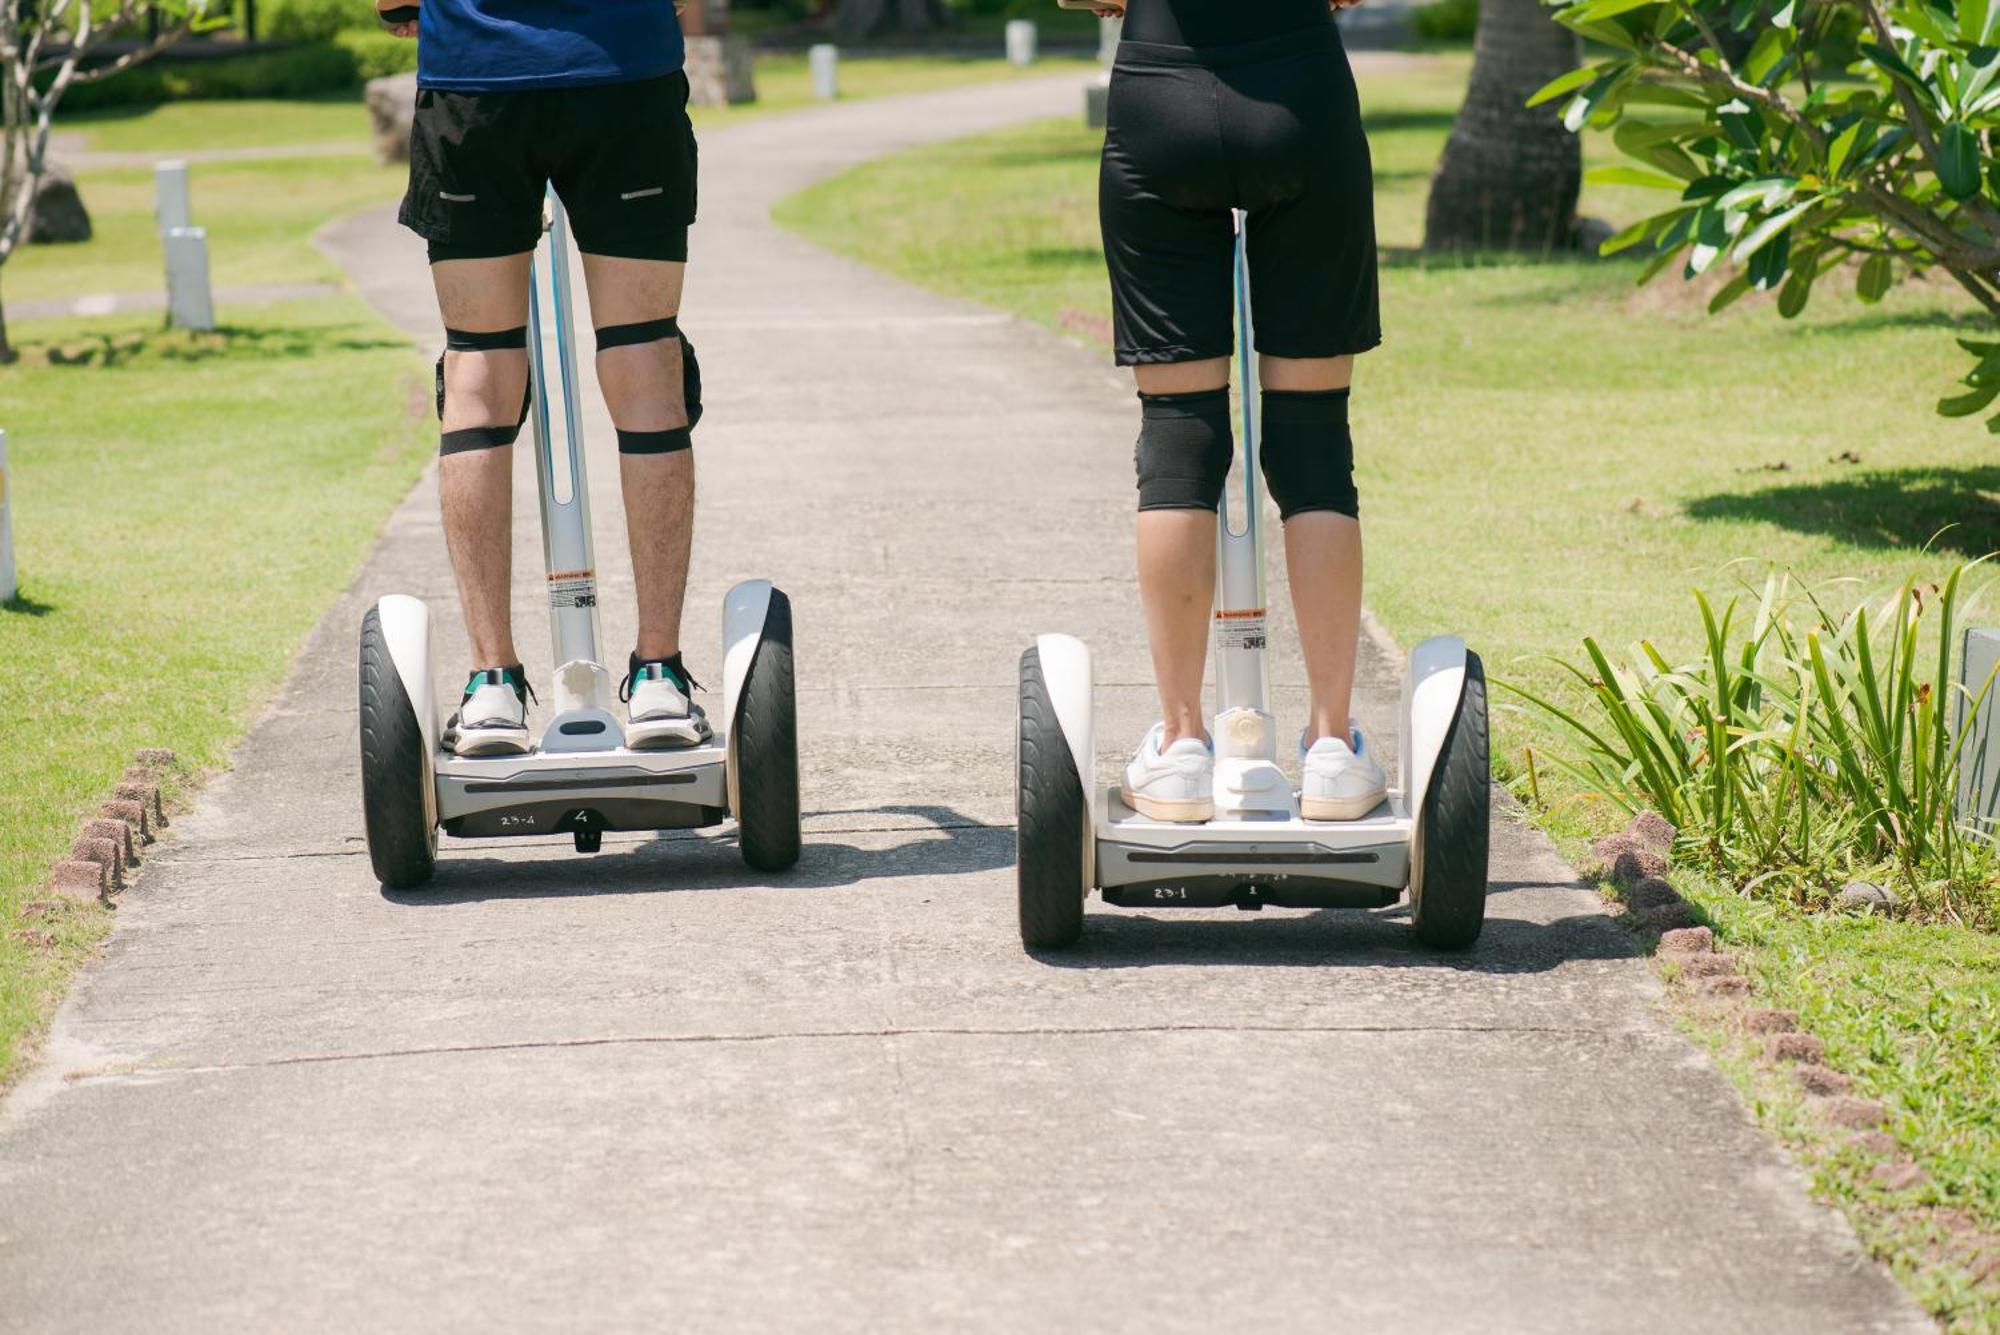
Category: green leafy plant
<point>1804,744</point>
<point>1804,137</point>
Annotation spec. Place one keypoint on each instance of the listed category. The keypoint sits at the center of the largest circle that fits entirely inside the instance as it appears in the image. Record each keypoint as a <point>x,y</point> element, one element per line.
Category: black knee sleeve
<point>1307,451</point>
<point>652,331</point>
<point>480,437</point>
<point>1184,448</point>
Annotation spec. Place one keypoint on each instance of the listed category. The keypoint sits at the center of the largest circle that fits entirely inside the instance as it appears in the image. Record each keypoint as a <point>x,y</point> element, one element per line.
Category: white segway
<point>580,778</point>
<point>1430,834</point>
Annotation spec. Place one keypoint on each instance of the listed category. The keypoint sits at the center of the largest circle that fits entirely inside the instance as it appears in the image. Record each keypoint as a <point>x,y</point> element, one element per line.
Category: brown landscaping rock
<point>1848,1110</point>
<point>1651,892</point>
<point>155,757</point>
<point>1727,985</point>
<point>1771,1022</point>
<point>1687,941</point>
<point>1670,917</point>
<point>134,815</point>
<point>1795,1048</point>
<point>104,852</point>
<point>147,795</point>
<point>58,213</point>
<point>1898,1176</point>
<point>1604,853</point>
<point>1705,966</point>
<point>1654,831</point>
<point>392,107</point>
<point>1821,1080</point>
<point>1876,1142</point>
<point>118,832</point>
<point>1637,864</point>
<point>77,879</point>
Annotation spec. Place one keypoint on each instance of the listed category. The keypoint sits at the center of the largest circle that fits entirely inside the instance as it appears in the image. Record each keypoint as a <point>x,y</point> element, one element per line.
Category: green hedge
<point>343,63</point>
<point>1446,21</point>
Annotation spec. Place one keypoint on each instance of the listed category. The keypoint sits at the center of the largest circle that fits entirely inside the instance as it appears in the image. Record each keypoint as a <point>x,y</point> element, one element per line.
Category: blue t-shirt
<point>495,45</point>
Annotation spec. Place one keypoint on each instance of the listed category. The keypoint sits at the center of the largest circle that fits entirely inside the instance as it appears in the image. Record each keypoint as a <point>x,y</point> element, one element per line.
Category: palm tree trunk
<point>1509,176</point>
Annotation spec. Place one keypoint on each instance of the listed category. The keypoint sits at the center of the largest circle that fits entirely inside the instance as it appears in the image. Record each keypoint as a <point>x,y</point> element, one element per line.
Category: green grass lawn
<point>1546,452</point>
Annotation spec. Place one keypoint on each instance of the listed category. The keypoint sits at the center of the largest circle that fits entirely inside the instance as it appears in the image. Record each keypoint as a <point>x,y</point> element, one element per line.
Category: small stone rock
<point>1654,831</point>
<point>1876,1142</point>
<point>78,879</point>
<point>104,852</point>
<point>1604,854</point>
<point>1650,892</point>
<point>1591,234</point>
<point>1670,917</point>
<point>103,827</point>
<point>134,815</point>
<point>1898,1176</point>
<point>1706,966</point>
<point>1822,1080</point>
<point>147,795</point>
<point>1795,1048</point>
<point>1635,865</point>
<point>58,213</point>
<point>1866,895</point>
<point>1727,985</point>
<point>1848,1110</point>
<point>1687,941</point>
<point>155,757</point>
<point>392,106</point>
<point>1771,1022</point>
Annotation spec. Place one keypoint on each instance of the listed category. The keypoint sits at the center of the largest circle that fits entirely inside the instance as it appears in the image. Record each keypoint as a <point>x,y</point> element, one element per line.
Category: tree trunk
<point>866,18</point>
<point>1509,176</point>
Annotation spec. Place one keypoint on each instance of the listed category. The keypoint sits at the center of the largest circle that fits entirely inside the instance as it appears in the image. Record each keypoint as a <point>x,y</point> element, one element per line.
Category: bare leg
<point>643,389</point>
<point>1177,573</point>
<point>1323,558</point>
<point>476,486</point>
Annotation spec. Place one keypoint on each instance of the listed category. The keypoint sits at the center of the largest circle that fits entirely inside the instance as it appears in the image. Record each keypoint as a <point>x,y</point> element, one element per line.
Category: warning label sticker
<point>1240,630</point>
<point>572,588</point>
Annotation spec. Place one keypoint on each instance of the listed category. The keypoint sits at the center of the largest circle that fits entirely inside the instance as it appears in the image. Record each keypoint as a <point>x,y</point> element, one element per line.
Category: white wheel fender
<point>1431,693</point>
<point>743,614</point>
<point>1066,672</point>
<point>406,629</point>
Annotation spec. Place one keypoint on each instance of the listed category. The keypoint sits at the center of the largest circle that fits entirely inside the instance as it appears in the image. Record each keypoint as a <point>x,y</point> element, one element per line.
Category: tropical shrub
<point>1805,138</point>
<point>1806,745</point>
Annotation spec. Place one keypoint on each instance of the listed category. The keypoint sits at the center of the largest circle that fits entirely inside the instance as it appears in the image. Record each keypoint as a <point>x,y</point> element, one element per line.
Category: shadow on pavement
<point>947,843</point>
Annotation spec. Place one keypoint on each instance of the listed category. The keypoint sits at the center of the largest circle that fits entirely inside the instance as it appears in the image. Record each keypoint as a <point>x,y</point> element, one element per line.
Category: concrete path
<point>119,303</point>
<point>651,1090</point>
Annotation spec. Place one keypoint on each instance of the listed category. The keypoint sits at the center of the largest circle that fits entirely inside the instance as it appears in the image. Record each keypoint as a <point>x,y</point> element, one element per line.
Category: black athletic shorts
<point>621,157</point>
<point>1271,126</point>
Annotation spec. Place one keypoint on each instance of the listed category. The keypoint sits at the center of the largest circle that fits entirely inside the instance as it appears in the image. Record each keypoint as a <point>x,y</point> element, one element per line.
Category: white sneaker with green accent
<point>662,714</point>
<point>492,716</point>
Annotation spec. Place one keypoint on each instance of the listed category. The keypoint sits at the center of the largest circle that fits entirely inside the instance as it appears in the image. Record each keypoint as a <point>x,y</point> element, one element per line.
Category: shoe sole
<point>1339,808</point>
<point>658,736</point>
<point>1177,810</point>
<point>477,743</point>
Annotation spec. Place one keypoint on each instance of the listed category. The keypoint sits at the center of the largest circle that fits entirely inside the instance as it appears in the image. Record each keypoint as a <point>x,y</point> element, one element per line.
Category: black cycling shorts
<point>620,155</point>
<point>1271,126</point>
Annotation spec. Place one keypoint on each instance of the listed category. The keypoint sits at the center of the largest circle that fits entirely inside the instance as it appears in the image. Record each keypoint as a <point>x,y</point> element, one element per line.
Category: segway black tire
<point>402,847</point>
<point>766,751</point>
<point>1448,901</point>
<point>1051,821</point>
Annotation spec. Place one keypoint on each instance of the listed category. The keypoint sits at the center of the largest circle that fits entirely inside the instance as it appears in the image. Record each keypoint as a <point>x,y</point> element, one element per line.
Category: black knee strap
<point>481,340</point>
<point>670,441</point>
<point>1185,444</point>
<point>645,331</point>
<point>1308,452</point>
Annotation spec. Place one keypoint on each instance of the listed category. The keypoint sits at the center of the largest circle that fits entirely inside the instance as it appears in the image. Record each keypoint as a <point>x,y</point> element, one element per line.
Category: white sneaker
<point>1178,784</point>
<point>492,717</point>
<point>661,714</point>
<point>1339,779</point>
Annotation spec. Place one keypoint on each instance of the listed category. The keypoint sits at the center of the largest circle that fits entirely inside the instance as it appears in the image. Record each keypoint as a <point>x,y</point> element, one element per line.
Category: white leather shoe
<point>1339,779</point>
<point>1177,784</point>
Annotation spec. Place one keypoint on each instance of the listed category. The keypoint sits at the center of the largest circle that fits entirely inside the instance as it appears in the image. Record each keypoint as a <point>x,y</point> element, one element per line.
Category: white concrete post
<point>824,58</point>
<point>189,304</point>
<point>8,585</point>
<point>171,205</point>
<point>1021,41</point>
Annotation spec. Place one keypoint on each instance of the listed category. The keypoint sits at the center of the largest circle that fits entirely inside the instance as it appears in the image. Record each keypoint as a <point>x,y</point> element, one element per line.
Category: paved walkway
<point>651,1090</point>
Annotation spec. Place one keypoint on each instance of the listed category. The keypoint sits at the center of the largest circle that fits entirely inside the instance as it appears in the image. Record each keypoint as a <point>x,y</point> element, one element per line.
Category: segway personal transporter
<point>1429,834</point>
<point>580,778</point>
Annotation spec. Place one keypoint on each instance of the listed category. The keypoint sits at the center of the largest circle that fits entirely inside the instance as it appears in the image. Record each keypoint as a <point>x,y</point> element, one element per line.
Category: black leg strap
<point>646,331</point>
<point>477,438</point>
<point>486,340</point>
<point>669,441</point>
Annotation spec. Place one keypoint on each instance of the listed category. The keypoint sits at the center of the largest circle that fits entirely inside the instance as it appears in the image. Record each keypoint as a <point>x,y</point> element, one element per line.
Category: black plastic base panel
<point>1221,892</point>
<point>586,821</point>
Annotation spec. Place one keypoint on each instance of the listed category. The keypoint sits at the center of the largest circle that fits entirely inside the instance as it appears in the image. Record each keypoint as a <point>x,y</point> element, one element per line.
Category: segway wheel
<point>402,845</point>
<point>1051,820</point>
<point>1448,900</point>
<point>766,731</point>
